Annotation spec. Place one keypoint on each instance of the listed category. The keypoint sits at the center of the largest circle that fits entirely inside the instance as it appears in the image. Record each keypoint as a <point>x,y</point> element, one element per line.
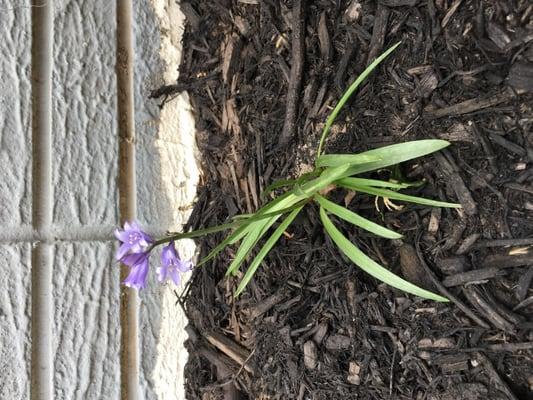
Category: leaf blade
<point>370,266</point>
<point>380,183</point>
<point>254,235</point>
<point>389,155</point>
<point>234,237</point>
<point>390,194</point>
<point>259,229</point>
<point>356,219</point>
<point>265,249</point>
<point>346,96</point>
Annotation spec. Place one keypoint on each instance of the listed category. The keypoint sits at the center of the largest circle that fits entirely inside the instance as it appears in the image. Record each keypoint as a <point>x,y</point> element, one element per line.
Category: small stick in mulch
<point>523,284</point>
<point>224,373</point>
<point>233,350</point>
<point>510,260</point>
<point>494,266</point>
<point>503,243</point>
<point>476,275</point>
<point>378,33</point>
<point>266,304</point>
<point>500,347</point>
<point>450,171</point>
<point>495,377</point>
<point>445,291</point>
<point>224,366</point>
<point>484,305</point>
<point>520,188</point>
<point>472,105</point>
<point>487,148</point>
<point>297,67</point>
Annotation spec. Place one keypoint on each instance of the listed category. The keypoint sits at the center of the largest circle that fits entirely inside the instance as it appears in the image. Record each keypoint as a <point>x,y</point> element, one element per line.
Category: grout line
<point>102,233</point>
<point>42,197</point>
<point>129,309</point>
<point>41,322</point>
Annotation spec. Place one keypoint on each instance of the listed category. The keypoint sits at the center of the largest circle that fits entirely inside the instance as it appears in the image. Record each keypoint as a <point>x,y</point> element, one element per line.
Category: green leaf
<point>265,249</point>
<point>289,182</point>
<point>245,219</point>
<point>278,184</point>
<point>328,176</point>
<point>242,223</point>
<point>348,93</point>
<point>336,160</point>
<point>370,266</point>
<point>379,183</point>
<point>356,219</point>
<point>257,230</point>
<point>391,194</point>
<point>237,235</point>
<point>389,155</point>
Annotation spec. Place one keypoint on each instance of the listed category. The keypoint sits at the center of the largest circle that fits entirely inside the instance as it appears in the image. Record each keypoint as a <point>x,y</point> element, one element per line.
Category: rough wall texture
<point>15,187</point>
<point>85,284</point>
<point>166,189</point>
<point>14,321</point>
<point>15,88</point>
<point>84,120</point>
<point>86,334</point>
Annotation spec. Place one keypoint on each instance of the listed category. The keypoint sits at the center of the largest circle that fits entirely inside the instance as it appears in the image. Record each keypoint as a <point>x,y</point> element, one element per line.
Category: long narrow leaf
<point>391,194</point>
<point>288,199</point>
<point>328,176</point>
<point>278,184</point>
<point>356,219</point>
<point>237,235</point>
<point>379,183</point>
<point>242,226</point>
<point>290,182</point>
<point>349,92</point>
<point>389,155</point>
<point>370,266</point>
<point>265,249</point>
<point>257,230</point>
<point>245,219</point>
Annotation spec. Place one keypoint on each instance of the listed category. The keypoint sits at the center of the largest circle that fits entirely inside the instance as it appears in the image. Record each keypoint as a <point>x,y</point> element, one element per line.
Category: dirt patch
<point>263,76</point>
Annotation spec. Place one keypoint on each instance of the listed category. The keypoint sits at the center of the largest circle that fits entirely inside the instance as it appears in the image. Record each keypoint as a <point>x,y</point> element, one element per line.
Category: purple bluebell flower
<point>138,263</point>
<point>172,264</point>
<point>133,239</point>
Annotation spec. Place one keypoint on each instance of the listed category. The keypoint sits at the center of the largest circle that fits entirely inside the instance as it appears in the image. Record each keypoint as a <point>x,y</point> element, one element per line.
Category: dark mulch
<point>262,77</point>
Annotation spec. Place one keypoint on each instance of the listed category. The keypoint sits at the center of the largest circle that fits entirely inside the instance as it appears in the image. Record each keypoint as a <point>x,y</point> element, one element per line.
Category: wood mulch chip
<point>262,77</point>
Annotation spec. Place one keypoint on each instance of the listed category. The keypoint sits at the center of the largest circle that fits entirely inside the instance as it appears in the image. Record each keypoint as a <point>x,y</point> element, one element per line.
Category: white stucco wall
<point>85,155</point>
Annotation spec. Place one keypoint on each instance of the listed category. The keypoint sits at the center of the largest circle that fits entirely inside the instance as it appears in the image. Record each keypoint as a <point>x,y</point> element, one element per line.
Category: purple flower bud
<point>133,240</point>
<point>172,264</point>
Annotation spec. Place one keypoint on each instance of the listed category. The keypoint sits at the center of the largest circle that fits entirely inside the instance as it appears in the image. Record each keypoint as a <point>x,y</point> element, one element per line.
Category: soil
<point>262,77</point>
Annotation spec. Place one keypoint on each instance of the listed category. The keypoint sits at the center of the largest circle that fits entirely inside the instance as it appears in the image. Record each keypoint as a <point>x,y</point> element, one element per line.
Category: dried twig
<point>297,67</point>
<point>445,291</point>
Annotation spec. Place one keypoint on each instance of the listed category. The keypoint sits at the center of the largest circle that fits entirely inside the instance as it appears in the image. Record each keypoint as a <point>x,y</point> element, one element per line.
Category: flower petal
<point>122,250</point>
<point>123,236</point>
<point>137,276</point>
<point>185,266</point>
<point>174,274</point>
<point>168,254</point>
<point>134,226</point>
<point>134,259</point>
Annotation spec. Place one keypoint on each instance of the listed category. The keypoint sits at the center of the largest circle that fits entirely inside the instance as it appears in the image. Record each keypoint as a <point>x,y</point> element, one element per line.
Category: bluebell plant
<point>332,171</point>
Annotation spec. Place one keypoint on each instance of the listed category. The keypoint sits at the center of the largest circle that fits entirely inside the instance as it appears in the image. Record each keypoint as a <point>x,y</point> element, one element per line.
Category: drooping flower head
<point>138,263</point>
<point>172,264</point>
<point>133,239</point>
